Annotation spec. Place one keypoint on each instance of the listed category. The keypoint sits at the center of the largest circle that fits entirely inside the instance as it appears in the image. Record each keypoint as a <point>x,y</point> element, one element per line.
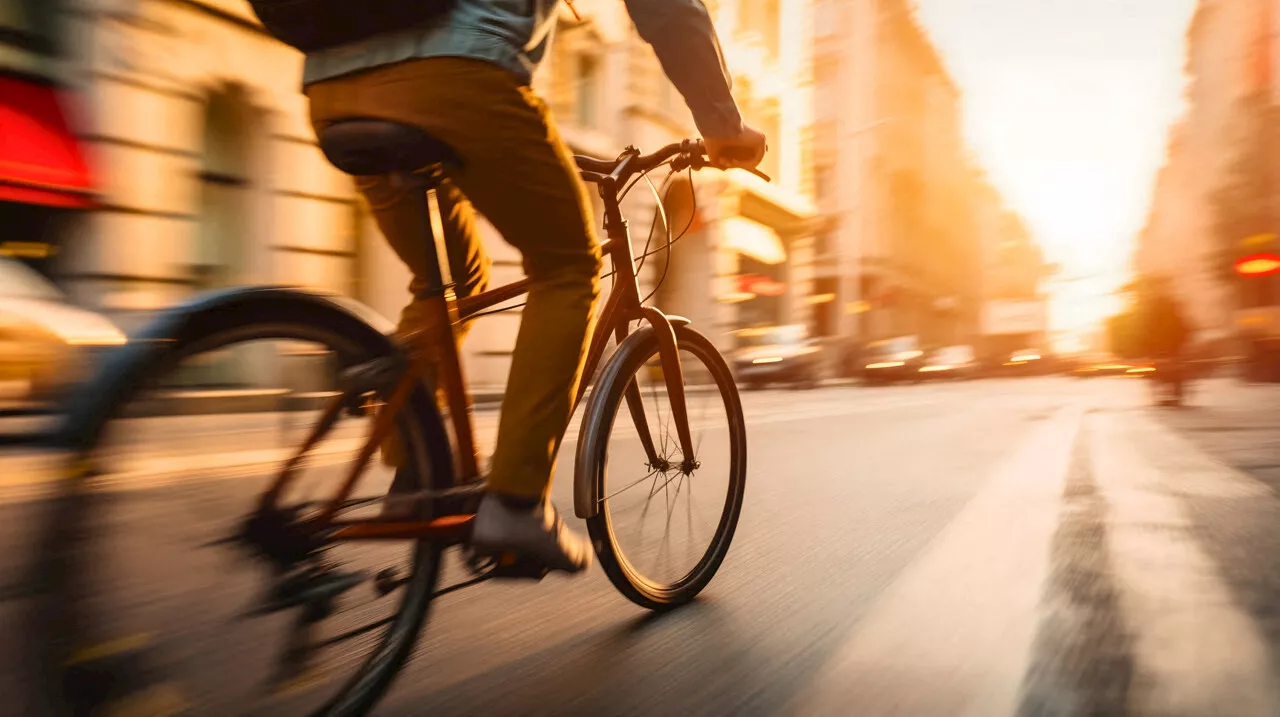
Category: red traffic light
<point>1258,265</point>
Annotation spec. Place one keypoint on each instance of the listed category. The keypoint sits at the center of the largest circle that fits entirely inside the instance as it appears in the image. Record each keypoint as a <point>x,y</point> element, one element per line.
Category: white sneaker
<point>539,534</point>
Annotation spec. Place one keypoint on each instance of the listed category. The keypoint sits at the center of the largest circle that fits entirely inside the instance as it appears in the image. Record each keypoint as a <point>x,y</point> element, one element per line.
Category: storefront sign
<point>760,285</point>
<point>1258,265</point>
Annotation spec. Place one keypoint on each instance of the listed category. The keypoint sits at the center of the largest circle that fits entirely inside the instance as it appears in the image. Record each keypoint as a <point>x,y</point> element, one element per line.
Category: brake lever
<point>752,170</point>
<point>701,162</point>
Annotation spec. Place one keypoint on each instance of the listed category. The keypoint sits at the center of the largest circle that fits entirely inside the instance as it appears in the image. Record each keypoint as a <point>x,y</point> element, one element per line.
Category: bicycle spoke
<point>689,513</point>
<point>662,426</point>
<point>651,474</point>
<point>651,555</point>
<point>675,500</point>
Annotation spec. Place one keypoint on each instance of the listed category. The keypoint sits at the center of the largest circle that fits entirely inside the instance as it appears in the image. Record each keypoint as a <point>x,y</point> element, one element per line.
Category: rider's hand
<point>744,150</point>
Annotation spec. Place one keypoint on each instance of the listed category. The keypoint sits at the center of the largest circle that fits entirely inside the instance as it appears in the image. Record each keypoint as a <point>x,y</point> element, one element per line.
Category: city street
<point>996,547</point>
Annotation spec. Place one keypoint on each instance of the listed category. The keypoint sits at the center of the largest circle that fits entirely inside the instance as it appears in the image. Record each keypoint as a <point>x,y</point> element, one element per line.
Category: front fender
<point>176,330</point>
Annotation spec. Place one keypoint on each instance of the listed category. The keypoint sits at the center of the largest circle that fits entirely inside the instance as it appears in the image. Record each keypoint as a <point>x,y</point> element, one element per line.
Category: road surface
<point>1014,547</point>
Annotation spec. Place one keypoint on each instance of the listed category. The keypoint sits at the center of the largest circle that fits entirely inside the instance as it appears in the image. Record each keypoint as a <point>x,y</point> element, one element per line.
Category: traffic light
<point>1258,265</point>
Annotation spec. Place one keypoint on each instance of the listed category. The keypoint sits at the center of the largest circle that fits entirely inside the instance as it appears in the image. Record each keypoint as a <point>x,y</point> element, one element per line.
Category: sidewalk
<point>1237,422</point>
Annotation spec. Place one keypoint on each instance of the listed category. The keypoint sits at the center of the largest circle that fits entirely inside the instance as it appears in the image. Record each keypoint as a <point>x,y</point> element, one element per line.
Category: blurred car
<point>777,355</point>
<point>1027,362</point>
<point>892,360</point>
<point>46,343</point>
<point>1096,366</point>
<point>956,362</point>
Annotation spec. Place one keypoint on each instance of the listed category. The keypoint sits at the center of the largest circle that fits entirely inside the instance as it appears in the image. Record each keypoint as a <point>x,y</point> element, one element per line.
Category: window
<point>588,91</point>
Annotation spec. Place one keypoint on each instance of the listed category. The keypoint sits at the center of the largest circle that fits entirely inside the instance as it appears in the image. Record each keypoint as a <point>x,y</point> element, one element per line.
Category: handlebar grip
<point>702,148</point>
<point>741,154</point>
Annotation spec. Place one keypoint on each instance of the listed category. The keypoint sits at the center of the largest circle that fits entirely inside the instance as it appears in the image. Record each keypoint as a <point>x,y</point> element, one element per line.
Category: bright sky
<point>1067,104</point>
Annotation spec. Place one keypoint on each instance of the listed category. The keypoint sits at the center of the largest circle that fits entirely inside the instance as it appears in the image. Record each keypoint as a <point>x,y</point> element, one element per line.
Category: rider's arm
<point>685,41</point>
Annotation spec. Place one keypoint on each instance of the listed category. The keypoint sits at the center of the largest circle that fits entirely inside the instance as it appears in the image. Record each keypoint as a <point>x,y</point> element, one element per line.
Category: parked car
<point>956,362</point>
<point>1027,362</point>
<point>892,360</point>
<point>777,355</point>
<point>46,343</point>
<point>1093,366</point>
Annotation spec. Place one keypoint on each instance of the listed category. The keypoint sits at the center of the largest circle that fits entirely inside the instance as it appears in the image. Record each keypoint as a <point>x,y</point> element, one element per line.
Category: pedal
<point>317,589</point>
<point>519,567</point>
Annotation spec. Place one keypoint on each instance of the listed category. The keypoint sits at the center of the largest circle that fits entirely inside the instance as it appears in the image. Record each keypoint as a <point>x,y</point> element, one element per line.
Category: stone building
<point>901,251</point>
<point>1231,56</point>
<point>745,257</point>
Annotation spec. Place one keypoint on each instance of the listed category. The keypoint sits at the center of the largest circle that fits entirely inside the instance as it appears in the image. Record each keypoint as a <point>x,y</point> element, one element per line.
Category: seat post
<point>443,301</point>
<point>427,201</point>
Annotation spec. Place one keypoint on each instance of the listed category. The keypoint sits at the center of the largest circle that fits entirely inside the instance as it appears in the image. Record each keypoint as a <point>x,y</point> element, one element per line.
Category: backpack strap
<point>542,32</point>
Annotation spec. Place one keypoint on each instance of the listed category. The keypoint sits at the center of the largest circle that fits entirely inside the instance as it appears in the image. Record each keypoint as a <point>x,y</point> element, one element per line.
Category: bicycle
<point>378,377</point>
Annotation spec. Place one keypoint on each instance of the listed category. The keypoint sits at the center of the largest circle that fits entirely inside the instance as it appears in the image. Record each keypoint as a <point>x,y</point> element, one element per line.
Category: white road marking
<point>952,635</point>
<point>1196,651</point>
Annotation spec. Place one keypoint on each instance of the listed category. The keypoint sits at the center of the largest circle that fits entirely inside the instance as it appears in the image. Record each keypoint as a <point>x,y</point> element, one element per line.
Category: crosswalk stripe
<point>953,634</point>
<point>1196,651</point>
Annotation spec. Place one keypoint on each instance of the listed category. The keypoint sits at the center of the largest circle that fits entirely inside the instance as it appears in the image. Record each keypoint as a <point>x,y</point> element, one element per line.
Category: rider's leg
<point>521,176</point>
<point>398,217</point>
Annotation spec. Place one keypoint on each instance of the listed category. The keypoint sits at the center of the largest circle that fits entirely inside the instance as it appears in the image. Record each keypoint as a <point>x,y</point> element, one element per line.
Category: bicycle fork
<point>626,299</point>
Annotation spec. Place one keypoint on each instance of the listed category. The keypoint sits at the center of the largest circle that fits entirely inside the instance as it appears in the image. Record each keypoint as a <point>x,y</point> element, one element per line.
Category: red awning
<point>40,160</point>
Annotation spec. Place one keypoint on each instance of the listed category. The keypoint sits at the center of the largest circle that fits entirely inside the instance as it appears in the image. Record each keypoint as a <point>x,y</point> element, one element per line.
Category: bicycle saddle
<point>369,146</point>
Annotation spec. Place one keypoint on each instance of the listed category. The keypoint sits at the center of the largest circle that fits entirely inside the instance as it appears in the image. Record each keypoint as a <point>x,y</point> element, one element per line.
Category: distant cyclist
<point>464,78</point>
<point>1161,335</point>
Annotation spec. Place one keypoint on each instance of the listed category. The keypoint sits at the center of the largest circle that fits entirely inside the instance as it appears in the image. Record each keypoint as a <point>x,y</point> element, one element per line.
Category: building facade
<point>901,247</point>
<point>1231,60</point>
<point>744,257</point>
<point>205,172</point>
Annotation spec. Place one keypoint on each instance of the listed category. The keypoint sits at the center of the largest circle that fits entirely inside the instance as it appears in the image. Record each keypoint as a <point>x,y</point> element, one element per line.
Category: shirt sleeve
<point>684,39</point>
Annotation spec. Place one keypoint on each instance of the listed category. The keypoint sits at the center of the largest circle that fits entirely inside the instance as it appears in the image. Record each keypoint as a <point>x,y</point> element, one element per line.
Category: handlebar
<point>689,153</point>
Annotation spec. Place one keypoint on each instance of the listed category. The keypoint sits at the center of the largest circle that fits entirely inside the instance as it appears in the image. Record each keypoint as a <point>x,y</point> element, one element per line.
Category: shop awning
<point>40,160</point>
<point>753,239</point>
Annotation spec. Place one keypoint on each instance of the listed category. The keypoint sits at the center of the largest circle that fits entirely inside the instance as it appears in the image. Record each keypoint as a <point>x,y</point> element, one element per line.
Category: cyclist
<point>1165,335</point>
<point>466,81</point>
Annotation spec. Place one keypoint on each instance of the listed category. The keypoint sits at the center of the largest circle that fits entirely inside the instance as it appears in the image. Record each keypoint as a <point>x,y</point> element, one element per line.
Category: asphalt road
<point>1028,547</point>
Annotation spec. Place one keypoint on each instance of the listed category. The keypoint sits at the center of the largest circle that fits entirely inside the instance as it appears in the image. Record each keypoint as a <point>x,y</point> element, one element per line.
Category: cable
<point>642,175</point>
<point>645,253</point>
<point>661,211</point>
<point>693,197</point>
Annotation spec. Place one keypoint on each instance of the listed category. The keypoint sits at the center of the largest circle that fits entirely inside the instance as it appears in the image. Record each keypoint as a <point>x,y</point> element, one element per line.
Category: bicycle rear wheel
<point>143,604</point>
<point>661,531</point>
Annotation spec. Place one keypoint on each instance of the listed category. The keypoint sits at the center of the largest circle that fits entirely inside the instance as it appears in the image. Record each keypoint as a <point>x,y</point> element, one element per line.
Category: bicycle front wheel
<point>664,526</point>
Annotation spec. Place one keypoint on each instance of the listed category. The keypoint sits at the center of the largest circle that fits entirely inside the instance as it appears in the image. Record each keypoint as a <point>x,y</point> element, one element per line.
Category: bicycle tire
<point>69,524</point>
<point>606,400</point>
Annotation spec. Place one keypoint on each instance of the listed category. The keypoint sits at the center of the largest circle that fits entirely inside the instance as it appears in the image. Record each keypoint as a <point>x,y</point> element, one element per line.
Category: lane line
<point>1196,651</point>
<point>953,634</point>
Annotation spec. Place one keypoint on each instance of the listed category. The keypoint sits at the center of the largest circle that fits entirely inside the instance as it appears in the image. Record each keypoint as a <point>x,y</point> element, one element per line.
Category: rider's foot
<point>535,531</point>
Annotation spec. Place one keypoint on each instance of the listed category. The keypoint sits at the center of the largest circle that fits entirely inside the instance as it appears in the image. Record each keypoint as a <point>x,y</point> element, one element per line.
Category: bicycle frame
<point>622,307</point>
